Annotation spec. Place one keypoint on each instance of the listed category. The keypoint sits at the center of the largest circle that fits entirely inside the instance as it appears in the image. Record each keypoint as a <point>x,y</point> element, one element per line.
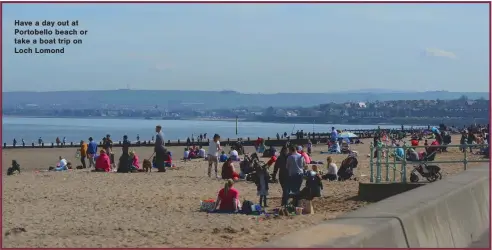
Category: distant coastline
<point>131,118</point>
<point>278,121</point>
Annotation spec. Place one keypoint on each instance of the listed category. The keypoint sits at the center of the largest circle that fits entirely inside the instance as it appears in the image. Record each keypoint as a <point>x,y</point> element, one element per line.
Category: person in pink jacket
<point>135,161</point>
<point>103,163</point>
<point>306,157</point>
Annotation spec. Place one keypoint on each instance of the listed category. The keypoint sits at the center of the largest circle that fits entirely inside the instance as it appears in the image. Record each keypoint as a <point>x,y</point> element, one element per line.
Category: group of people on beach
<point>290,169</point>
<point>104,160</point>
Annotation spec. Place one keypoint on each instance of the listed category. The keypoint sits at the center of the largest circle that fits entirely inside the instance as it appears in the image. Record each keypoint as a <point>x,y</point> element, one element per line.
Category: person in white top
<point>202,153</point>
<point>186,155</point>
<point>213,155</point>
<point>234,155</point>
<point>331,175</point>
<point>63,162</point>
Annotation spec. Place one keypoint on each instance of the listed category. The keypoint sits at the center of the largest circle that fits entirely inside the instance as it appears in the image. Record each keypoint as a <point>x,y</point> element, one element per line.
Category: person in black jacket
<point>281,161</point>
<point>124,165</point>
<point>283,173</point>
<point>313,186</point>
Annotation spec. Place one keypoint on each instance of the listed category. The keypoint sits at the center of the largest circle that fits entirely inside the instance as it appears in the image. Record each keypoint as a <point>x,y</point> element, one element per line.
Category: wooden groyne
<point>179,143</point>
<point>299,139</point>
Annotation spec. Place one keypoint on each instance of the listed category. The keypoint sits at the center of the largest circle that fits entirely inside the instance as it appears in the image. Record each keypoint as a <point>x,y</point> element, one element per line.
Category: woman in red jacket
<point>103,163</point>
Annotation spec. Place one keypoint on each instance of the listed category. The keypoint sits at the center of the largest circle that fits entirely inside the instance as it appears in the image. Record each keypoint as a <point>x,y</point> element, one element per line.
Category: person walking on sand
<point>213,155</point>
<point>159,149</point>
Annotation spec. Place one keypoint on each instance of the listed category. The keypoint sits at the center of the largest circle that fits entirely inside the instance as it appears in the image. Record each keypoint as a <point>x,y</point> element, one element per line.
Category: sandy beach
<point>79,208</point>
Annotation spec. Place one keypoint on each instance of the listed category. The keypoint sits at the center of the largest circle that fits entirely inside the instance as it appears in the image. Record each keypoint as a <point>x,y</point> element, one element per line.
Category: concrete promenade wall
<point>450,213</point>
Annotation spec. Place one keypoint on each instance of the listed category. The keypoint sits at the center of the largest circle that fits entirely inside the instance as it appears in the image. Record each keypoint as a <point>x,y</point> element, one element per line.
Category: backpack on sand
<point>246,208</point>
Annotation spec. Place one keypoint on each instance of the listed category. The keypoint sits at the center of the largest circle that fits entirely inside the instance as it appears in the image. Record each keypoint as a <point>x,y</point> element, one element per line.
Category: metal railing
<point>385,152</point>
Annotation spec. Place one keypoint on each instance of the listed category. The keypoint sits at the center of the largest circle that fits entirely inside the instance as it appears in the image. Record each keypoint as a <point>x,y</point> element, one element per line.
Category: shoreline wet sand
<point>80,208</point>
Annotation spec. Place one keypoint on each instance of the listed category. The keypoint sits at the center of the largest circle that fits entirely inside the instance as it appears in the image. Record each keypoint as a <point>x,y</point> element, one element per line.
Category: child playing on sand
<point>315,169</point>
<point>168,160</point>
<point>186,155</point>
<point>223,157</point>
<point>135,161</point>
<point>261,181</point>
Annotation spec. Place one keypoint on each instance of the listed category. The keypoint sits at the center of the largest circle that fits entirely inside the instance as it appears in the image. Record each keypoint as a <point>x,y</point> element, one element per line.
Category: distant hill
<point>213,99</point>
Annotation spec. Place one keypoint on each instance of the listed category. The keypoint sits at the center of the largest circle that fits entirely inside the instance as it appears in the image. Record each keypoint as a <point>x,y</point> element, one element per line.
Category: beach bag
<point>307,206</point>
<point>207,205</point>
<point>247,207</point>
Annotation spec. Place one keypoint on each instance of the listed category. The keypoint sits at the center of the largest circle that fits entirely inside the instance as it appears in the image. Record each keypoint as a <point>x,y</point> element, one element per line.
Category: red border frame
<point>230,2</point>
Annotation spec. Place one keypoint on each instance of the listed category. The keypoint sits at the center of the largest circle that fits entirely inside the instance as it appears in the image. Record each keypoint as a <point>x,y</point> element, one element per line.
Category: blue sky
<point>257,48</point>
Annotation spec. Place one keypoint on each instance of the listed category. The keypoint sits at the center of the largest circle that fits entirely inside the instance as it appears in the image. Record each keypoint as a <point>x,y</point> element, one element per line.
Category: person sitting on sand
<point>331,174</point>
<point>201,153</point>
<point>234,155</point>
<point>307,159</point>
<point>168,161</point>
<point>135,161</point>
<point>186,154</point>
<point>223,157</point>
<point>228,198</point>
<point>228,170</point>
<point>15,167</point>
<point>62,165</point>
<point>103,163</point>
<point>192,155</point>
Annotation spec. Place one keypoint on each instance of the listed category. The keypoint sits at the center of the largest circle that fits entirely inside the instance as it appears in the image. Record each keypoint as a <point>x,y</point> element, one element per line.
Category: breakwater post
<point>246,142</point>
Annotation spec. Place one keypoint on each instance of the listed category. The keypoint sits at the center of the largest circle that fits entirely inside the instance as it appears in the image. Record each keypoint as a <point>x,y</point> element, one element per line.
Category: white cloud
<point>440,53</point>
